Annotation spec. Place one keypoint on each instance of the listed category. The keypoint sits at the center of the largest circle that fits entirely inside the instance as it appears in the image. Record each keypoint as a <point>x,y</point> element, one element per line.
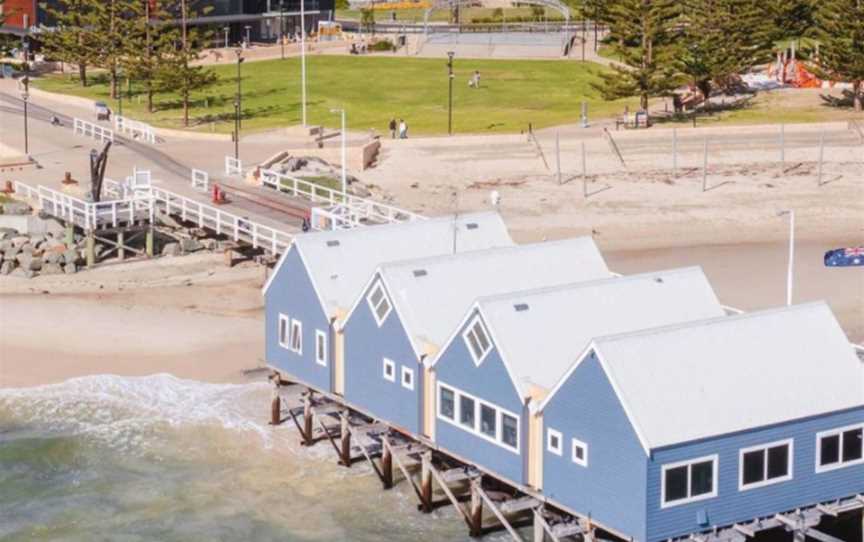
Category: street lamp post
<point>237,129</point>
<point>226,29</point>
<point>344,141</point>
<point>282,27</point>
<point>790,269</point>
<point>450,55</point>
<point>25,97</point>
<point>239,52</point>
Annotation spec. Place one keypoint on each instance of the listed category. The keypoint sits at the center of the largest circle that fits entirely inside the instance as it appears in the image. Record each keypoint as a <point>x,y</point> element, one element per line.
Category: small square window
<point>467,416</point>
<point>389,370</point>
<point>320,347</point>
<point>296,344</point>
<point>488,421</point>
<point>553,441</point>
<point>510,431</point>
<point>407,378</point>
<point>447,403</point>
<point>579,452</point>
<point>837,448</point>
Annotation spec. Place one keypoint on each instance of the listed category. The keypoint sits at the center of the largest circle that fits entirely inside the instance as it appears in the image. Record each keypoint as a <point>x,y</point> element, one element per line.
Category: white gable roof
<point>719,376</point>
<point>340,262</point>
<point>431,295</point>
<point>541,333</point>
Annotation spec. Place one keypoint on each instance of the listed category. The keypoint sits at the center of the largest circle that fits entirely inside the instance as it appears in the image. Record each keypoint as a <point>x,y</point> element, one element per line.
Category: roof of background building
<point>713,377</point>
<point>432,294</point>
<point>341,262</point>
<point>541,333</point>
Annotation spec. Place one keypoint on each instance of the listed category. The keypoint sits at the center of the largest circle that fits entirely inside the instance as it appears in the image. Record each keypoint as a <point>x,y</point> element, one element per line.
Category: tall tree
<point>718,39</point>
<point>790,18</point>
<point>72,39</point>
<point>640,33</point>
<point>149,45</point>
<point>840,28</point>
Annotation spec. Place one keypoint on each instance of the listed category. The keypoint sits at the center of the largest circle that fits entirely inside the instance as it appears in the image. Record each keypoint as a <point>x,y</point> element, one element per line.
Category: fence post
<point>705,165</point>
<point>821,155</point>
<point>558,155</point>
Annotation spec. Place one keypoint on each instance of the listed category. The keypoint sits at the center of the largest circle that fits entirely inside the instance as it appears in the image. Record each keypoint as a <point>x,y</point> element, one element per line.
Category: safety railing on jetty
<point>136,129</point>
<point>88,129</point>
<point>341,209</point>
<point>86,214</point>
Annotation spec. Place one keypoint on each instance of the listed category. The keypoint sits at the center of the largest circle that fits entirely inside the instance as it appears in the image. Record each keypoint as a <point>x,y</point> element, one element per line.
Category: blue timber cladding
<point>807,487</point>
<point>366,346</point>
<point>291,294</point>
<point>611,489</point>
<point>491,383</point>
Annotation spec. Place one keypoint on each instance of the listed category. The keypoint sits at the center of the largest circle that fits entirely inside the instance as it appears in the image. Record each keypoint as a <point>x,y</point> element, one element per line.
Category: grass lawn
<point>374,89</point>
<point>440,15</point>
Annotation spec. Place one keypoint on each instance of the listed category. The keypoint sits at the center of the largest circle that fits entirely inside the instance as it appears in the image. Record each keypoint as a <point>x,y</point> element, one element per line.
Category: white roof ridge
<point>323,234</point>
<point>481,253</point>
<point>496,298</point>
<point>728,319</point>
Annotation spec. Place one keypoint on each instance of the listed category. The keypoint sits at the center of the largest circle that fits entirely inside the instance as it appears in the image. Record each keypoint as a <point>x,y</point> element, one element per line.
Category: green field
<point>373,89</point>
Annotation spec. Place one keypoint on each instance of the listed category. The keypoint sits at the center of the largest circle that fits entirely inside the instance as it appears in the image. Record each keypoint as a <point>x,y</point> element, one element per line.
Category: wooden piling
<point>275,403</point>
<point>121,251</point>
<point>307,419</point>
<point>148,242</point>
<point>345,441</point>
<point>70,236</point>
<point>476,527</point>
<point>386,464</point>
<point>90,250</point>
<point>426,483</point>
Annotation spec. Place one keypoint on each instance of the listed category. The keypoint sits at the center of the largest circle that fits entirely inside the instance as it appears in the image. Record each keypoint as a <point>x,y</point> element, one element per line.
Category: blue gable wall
<point>366,346</point>
<point>491,383</point>
<point>731,505</point>
<point>612,487</point>
<point>291,293</point>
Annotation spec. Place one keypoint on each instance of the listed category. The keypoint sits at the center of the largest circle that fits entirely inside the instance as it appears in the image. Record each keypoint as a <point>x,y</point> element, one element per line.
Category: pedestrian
<point>392,127</point>
<point>403,129</point>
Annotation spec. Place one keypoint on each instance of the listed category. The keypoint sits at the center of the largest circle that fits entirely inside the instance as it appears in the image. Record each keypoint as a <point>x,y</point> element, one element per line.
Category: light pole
<point>303,58</point>
<point>344,138</point>
<point>282,27</point>
<point>226,29</point>
<point>25,96</point>
<point>450,55</point>
<point>120,95</point>
<point>237,105</point>
<point>789,270</point>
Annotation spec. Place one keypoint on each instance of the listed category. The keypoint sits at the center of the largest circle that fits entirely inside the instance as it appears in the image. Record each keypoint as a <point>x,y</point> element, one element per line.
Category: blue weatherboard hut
<point>409,309</point>
<point>511,349</point>
<point>321,274</point>
<point>682,429</point>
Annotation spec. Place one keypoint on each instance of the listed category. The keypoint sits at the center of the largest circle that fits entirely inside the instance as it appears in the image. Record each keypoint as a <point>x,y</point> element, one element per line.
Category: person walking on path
<point>403,129</point>
<point>392,127</point>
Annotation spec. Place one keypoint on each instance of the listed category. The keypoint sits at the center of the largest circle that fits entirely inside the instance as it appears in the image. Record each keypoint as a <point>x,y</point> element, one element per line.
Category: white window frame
<point>559,450</point>
<point>499,418</point>
<point>688,463</point>
<point>299,325</point>
<point>389,363</point>
<point>373,307</point>
<point>470,329</point>
<point>840,464</point>
<point>576,443</point>
<point>789,443</point>
<point>285,341</point>
<point>321,353</point>
<point>407,371</point>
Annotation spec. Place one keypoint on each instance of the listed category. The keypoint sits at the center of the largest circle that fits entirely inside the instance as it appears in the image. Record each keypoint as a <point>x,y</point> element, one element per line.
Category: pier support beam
<point>307,419</point>
<point>276,402</point>
<point>90,250</point>
<point>476,514</point>
<point>344,441</point>
<point>69,236</point>
<point>386,464</point>
<point>148,242</point>
<point>426,483</point>
<point>121,251</point>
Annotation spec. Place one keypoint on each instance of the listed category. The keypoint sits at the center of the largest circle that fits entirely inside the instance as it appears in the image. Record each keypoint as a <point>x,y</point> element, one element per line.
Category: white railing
<point>200,180</point>
<point>136,129</point>
<point>342,210</point>
<point>25,190</point>
<point>88,129</point>
<point>233,166</point>
<point>90,215</point>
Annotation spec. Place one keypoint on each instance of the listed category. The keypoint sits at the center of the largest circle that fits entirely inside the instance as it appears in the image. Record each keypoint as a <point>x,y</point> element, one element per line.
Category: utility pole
<point>450,55</point>
<point>303,58</point>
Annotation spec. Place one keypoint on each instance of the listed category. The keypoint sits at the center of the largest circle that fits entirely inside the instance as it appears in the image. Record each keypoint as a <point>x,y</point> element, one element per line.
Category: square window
<point>407,378</point>
<point>676,483</point>
<point>579,452</point>
<point>553,441</point>
<point>296,337</point>
<point>778,462</point>
<point>852,445</point>
<point>488,421</point>
<point>689,481</point>
<point>320,347</point>
<point>389,370</point>
<point>466,411</point>
<point>510,431</point>
<point>701,478</point>
<point>838,448</point>
<point>447,403</point>
<point>829,448</point>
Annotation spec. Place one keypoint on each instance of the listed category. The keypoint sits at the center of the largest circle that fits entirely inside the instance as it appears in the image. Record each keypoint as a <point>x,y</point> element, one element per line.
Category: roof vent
<point>333,243</point>
<point>420,273</point>
<point>521,307</point>
<point>658,280</point>
<point>471,226</point>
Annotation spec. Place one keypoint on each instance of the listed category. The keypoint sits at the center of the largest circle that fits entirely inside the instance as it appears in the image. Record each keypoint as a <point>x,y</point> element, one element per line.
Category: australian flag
<point>845,257</point>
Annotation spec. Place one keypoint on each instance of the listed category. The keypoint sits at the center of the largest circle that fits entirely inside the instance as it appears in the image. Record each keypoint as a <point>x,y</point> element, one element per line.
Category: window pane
<point>778,461</point>
<point>701,478</point>
<point>554,441</point>
<point>321,347</point>
<point>466,411</point>
<point>481,337</point>
<point>376,296</point>
<point>283,331</point>
<point>295,336</point>
<point>488,421</point>
<point>509,430</point>
<point>754,467</point>
<point>382,309</point>
<point>407,377</point>
<point>852,445</point>
<point>475,346</point>
<point>448,404</point>
<point>676,484</point>
<point>388,369</point>
<point>830,450</point>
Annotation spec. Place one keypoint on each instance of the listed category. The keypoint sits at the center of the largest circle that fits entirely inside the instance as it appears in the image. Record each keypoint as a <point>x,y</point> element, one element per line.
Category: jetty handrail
<point>136,129</point>
<point>233,166</point>
<point>89,129</point>
<point>87,214</point>
<point>354,207</point>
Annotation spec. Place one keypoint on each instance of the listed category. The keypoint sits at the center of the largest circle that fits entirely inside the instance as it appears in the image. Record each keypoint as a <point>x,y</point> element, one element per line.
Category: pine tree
<point>72,39</point>
<point>719,39</point>
<point>113,22</point>
<point>640,32</point>
<point>840,28</point>
<point>149,46</point>
<point>790,18</point>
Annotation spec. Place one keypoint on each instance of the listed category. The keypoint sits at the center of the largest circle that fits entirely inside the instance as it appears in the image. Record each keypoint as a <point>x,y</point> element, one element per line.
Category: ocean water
<point>161,458</point>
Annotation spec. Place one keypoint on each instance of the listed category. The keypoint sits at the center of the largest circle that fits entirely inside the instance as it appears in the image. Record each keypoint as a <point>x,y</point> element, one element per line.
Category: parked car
<point>102,111</point>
